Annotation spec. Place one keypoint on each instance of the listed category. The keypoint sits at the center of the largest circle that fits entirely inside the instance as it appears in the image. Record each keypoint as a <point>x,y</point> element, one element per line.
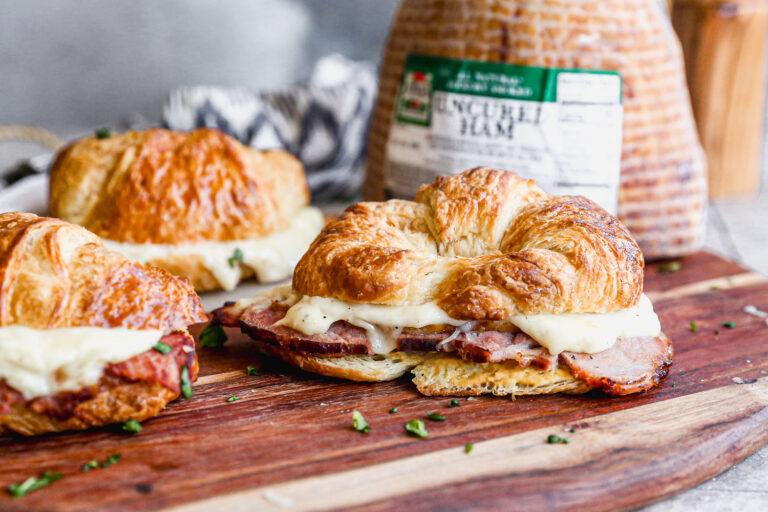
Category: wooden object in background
<point>288,442</point>
<point>724,47</point>
<point>662,193</point>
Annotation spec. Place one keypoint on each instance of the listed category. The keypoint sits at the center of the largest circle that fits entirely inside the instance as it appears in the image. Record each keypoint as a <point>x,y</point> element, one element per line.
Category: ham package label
<point>560,127</point>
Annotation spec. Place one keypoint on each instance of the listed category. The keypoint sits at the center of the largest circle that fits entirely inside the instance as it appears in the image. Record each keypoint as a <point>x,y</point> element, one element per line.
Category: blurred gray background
<point>68,65</point>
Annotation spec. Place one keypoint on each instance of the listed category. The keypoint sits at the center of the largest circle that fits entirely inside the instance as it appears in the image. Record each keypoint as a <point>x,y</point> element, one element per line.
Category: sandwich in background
<point>199,204</point>
<point>483,284</point>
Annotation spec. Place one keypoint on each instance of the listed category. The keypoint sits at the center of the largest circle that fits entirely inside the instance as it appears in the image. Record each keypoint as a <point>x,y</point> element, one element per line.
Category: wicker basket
<point>662,197</point>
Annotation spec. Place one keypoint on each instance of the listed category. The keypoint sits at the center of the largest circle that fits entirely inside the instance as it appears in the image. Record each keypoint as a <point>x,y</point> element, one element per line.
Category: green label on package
<point>561,127</point>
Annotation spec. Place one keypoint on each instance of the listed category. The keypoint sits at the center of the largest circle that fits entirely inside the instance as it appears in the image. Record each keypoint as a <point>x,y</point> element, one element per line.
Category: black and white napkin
<point>323,122</point>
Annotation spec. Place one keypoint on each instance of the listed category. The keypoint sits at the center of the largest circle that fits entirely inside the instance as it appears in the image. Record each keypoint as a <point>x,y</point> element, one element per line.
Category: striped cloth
<point>323,122</point>
<point>33,166</point>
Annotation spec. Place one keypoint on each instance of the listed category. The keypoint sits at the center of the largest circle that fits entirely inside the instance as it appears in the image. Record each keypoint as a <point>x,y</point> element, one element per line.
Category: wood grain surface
<point>288,442</point>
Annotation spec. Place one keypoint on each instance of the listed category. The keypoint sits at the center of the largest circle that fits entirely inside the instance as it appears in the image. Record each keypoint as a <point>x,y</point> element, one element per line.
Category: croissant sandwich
<point>483,284</point>
<point>87,338</point>
<point>198,204</point>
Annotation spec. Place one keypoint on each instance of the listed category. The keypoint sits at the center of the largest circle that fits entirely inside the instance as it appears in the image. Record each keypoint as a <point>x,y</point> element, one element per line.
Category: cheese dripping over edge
<point>575,332</point>
<point>43,362</point>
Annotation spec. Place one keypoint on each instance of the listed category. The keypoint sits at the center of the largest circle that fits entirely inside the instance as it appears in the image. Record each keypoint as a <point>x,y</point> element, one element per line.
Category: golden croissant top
<point>484,244</point>
<point>56,274</point>
<point>160,186</point>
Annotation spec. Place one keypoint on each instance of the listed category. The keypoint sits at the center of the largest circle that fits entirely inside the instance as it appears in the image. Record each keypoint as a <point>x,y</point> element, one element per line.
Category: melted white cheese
<point>42,362</point>
<point>589,333</point>
<point>283,294</point>
<point>314,315</point>
<point>575,332</point>
<point>272,257</point>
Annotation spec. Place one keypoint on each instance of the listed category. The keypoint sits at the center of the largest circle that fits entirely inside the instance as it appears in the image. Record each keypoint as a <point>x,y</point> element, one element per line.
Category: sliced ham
<point>150,366</point>
<point>341,339</point>
<point>480,347</point>
<point>153,366</point>
<point>630,366</point>
<point>495,346</point>
<point>423,340</point>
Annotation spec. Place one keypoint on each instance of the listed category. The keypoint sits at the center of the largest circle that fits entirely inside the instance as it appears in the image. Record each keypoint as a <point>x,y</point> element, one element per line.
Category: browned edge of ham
<point>150,366</point>
<point>630,366</point>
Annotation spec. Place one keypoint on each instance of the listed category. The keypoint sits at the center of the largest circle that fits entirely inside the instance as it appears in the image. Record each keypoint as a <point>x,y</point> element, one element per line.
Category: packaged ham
<point>587,97</point>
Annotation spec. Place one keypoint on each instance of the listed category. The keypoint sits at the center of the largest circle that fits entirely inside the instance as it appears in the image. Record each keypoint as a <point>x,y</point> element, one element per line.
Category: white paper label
<point>561,128</point>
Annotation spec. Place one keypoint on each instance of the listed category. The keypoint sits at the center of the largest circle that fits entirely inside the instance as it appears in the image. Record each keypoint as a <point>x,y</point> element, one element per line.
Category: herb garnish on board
<point>132,427</point>
<point>213,336</point>
<point>33,483</point>
<point>416,428</point>
<point>112,459</point>
<point>359,423</point>
<point>672,266</point>
<point>434,416</point>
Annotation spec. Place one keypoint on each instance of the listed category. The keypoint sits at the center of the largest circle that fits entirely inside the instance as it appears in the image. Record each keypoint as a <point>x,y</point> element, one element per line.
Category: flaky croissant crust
<point>55,274</point>
<point>484,244</point>
<point>160,186</point>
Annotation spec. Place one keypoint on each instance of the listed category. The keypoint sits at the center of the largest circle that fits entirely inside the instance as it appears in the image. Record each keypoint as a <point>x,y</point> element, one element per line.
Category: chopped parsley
<point>468,447</point>
<point>359,422</point>
<point>416,428</point>
<point>132,427</point>
<point>693,326</point>
<point>236,256</point>
<point>112,459</point>
<point>672,266</point>
<point>186,385</point>
<point>103,133</point>
<point>434,416</point>
<point>163,348</point>
<point>233,398</point>
<point>89,466</point>
<point>393,410</point>
<point>213,336</point>
<point>729,325</point>
<point>33,483</point>
<point>250,370</point>
<point>553,438</point>
<point>454,403</point>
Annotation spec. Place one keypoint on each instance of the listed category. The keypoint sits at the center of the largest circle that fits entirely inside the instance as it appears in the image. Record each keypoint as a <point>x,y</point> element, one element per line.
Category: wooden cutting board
<point>288,443</point>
